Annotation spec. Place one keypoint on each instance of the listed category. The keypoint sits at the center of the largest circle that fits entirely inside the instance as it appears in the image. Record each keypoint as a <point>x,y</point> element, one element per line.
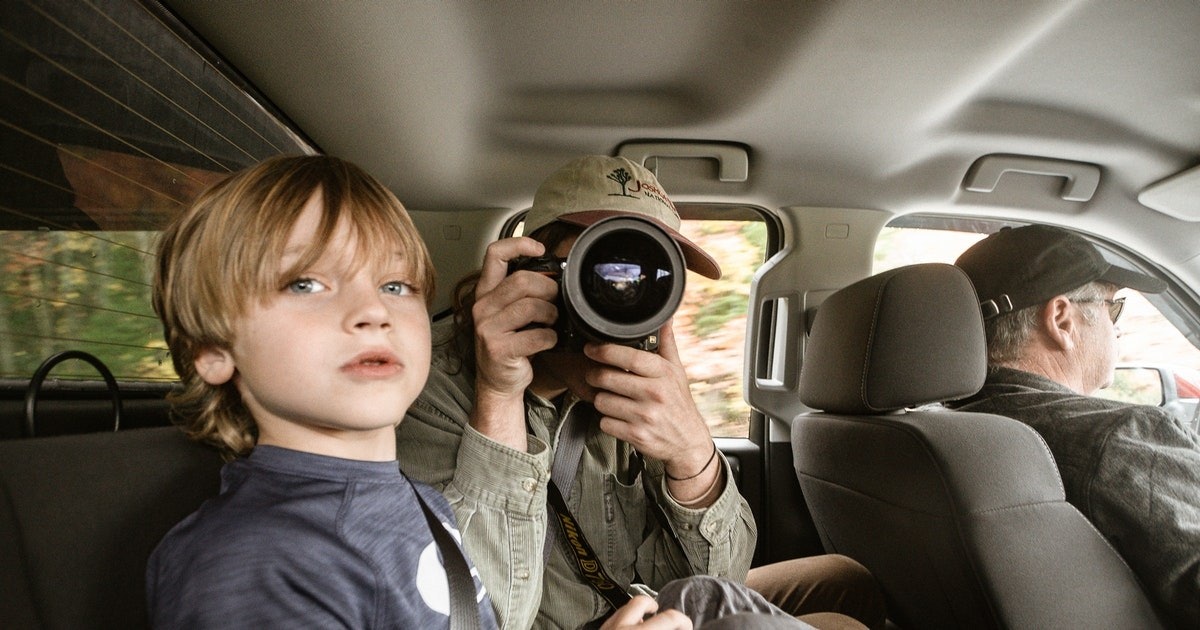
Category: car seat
<point>79,516</point>
<point>960,516</point>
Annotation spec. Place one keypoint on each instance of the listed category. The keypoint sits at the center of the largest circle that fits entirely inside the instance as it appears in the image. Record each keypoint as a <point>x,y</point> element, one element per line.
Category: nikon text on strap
<point>586,560</point>
<point>577,423</point>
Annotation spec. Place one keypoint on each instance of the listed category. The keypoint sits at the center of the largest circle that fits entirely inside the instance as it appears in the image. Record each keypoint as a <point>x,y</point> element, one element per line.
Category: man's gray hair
<point>1008,334</point>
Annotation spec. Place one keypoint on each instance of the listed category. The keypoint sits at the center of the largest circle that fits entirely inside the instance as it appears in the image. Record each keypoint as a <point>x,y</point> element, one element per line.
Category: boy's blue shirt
<point>302,540</point>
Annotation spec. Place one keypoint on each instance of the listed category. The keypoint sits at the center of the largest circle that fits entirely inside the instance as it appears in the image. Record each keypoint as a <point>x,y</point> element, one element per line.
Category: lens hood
<point>623,279</point>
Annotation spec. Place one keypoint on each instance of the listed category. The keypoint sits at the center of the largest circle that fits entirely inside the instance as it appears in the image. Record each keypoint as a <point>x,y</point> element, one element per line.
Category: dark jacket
<point>1132,470</point>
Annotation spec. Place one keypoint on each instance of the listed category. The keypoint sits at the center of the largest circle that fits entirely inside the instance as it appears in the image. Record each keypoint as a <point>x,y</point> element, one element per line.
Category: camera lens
<point>627,277</point>
<point>623,280</point>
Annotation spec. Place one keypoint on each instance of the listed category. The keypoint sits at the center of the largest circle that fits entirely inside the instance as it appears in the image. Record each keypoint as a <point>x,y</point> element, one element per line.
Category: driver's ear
<point>1058,324</point>
<point>214,365</point>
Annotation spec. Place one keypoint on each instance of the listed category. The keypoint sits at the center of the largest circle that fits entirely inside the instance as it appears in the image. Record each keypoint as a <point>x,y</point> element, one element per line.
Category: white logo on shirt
<point>431,577</point>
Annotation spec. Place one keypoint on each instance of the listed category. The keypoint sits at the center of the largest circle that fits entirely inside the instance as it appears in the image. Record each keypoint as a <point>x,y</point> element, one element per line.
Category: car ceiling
<point>880,105</point>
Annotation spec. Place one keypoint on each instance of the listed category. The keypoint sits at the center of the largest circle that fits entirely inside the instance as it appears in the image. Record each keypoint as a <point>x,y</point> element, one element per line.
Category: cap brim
<point>1123,277</point>
<point>696,259</point>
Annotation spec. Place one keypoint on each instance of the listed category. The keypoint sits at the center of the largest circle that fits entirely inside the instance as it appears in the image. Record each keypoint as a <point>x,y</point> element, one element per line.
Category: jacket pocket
<point>625,519</point>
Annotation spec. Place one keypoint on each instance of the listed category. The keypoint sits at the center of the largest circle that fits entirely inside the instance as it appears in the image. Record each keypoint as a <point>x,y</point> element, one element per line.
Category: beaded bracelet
<point>701,472</point>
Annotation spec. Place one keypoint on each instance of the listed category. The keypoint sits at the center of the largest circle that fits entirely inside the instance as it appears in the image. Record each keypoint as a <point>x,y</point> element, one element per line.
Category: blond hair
<point>223,253</point>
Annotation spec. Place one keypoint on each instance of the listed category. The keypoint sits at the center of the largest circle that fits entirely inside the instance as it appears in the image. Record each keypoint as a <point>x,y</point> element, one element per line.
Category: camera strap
<point>576,424</point>
<point>567,453</point>
<point>586,560</point>
<point>581,419</point>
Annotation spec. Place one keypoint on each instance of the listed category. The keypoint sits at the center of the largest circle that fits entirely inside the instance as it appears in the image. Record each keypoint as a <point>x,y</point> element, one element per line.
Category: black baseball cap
<point>1019,267</point>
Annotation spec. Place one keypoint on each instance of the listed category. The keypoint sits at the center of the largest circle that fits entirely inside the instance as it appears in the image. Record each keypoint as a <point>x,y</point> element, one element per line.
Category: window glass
<point>80,290</point>
<point>710,325</point>
<point>1151,348</point>
<point>112,122</point>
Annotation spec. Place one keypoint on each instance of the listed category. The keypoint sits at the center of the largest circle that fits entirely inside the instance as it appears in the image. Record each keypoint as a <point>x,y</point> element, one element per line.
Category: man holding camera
<point>582,476</point>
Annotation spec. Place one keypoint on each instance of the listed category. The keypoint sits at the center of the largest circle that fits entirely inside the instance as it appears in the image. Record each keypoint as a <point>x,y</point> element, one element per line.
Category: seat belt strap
<point>464,607</point>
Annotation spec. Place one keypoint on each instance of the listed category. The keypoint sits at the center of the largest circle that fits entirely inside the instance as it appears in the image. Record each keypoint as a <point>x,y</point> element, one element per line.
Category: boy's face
<point>330,363</point>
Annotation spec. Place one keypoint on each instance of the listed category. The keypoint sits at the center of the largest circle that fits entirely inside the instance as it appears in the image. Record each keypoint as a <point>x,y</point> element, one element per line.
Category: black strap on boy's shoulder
<point>464,608</point>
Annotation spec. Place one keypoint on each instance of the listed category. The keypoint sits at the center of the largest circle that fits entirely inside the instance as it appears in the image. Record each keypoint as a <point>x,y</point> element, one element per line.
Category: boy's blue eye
<point>305,285</point>
<point>397,288</point>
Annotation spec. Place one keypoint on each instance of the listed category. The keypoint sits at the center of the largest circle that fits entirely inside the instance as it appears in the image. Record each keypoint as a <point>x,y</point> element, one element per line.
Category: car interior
<point>834,158</point>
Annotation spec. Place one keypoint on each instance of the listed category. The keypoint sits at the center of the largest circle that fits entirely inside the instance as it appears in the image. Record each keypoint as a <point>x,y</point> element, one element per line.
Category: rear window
<point>112,121</point>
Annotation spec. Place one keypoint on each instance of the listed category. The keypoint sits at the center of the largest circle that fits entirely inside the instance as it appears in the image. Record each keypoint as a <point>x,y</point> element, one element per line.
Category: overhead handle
<point>733,164</point>
<point>1082,178</point>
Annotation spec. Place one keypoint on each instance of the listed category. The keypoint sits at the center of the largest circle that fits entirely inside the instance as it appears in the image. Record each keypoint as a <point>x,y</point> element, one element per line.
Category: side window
<point>112,122</point>
<point>710,325</point>
<point>1157,365</point>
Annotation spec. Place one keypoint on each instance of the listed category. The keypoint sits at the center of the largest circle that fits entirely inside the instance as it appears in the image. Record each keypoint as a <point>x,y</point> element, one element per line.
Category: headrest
<point>901,338</point>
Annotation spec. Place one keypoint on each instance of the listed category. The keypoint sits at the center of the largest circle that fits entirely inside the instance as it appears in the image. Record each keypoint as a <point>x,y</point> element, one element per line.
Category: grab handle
<point>35,387</point>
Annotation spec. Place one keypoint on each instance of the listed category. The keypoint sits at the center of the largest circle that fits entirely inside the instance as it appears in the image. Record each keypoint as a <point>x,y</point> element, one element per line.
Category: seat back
<point>960,516</point>
<point>79,516</point>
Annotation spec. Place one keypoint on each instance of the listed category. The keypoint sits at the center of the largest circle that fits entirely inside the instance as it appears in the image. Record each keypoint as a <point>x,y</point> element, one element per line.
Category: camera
<point>622,280</point>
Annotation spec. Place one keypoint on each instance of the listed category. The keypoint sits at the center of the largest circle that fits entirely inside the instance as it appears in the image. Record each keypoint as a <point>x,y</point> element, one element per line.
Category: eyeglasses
<point>1114,306</point>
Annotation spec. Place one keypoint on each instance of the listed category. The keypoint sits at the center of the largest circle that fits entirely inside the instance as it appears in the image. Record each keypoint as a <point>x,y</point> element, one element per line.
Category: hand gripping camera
<point>622,280</point>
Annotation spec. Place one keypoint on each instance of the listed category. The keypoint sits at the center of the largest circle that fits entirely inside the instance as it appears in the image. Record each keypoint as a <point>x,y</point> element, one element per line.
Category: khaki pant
<point>812,588</point>
<point>829,592</point>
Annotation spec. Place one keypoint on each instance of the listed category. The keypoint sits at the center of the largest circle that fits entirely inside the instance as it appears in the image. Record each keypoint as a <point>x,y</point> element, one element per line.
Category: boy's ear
<point>214,365</point>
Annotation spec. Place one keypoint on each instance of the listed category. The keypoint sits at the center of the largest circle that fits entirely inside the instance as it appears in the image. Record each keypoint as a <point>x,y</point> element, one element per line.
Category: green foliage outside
<point>739,247</point>
<point>710,326</point>
<point>730,301</point>
<point>86,291</point>
<point>755,233</point>
<point>712,315</point>
<point>1140,386</point>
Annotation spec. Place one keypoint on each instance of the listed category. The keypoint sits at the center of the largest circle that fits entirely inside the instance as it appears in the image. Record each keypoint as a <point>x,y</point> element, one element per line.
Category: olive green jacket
<point>499,498</point>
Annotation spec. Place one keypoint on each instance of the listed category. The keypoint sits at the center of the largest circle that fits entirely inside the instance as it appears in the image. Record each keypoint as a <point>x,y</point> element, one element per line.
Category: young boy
<point>293,296</point>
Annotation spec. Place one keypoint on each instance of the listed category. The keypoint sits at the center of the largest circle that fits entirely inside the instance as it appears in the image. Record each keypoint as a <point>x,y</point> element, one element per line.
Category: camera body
<point>622,280</point>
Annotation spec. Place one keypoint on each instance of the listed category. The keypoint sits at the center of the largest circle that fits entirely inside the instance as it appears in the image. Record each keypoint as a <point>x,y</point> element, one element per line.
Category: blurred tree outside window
<point>710,325</point>
<point>85,291</point>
